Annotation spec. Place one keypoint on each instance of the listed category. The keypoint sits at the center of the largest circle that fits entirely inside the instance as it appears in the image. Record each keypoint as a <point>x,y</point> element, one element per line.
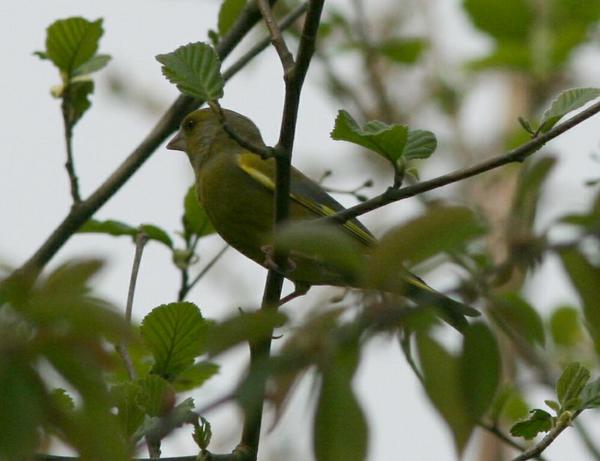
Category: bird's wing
<point>303,191</point>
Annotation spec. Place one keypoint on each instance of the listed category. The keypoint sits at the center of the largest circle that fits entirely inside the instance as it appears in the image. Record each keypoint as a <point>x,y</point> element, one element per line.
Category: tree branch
<point>187,288</point>
<point>70,163</point>
<point>287,60</point>
<point>494,430</point>
<point>516,155</point>
<point>168,123</point>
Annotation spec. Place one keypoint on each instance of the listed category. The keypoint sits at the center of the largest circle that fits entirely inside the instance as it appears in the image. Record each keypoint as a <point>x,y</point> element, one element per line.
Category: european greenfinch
<point>236,188</point>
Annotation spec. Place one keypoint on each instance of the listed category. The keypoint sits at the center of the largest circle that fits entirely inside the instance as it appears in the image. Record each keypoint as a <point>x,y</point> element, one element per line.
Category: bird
<point>236,187</point>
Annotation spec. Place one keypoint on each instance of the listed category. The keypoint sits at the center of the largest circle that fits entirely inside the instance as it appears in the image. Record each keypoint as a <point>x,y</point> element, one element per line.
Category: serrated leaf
<point>195,70</point>
<point>340,428</point>
<point>229,12</point>
<point>72,42</point>
<point>419,144</point>
<point>516,314</point>
<point>402,50</point>
<point>479,369</point>
<point>202,433</point>
<point>195,221</point>
<point>565,326</point>
<point>387,140</point>
<point>570,384</point>
<point>174,333</point>
<point>92,65</point>
<point>590,394</point>
<point>441,373</point>
<point>539,421</point>
<point>566,102</point>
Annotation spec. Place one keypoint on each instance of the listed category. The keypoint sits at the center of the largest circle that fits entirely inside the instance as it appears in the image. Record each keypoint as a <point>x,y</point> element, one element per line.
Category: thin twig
<point>550,437</point>
<point>515,155</point>
<point>287,60</point>
<point>202,273</point>
<point>140,243</point>
<point>168,123</point>
<point>70,163</point>
<point>494,430</point>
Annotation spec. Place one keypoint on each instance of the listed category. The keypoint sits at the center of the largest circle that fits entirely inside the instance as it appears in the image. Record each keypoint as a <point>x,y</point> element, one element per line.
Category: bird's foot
<point>270,263</point>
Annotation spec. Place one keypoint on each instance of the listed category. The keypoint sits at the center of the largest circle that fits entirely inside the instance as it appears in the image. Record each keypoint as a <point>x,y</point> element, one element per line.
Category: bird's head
<point>202,130</point>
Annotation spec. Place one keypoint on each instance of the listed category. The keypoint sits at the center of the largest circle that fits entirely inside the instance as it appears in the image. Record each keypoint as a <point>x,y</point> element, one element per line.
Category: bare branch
<point>287,60</point>
<point>70,163</point>
<point>185,290</point>
<point>506,439</point>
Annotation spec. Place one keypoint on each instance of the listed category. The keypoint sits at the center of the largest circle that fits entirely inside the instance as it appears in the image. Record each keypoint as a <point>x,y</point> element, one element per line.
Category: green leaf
<point>229,12</point>
<point>479,369</point>
<point>174,333</point>
<point>565,326</point>
<point>156,396</point>
<point>62,400</point>
<point>387,140</point>
<point>118,228</point>
<point>340,428</point>
<point>441,229</point>
<point>516,314</point>
<point>506,20</point>
<point>554,405</point>
<point>72,42</point>
<point>586,280</point>
<point>570,384</point>
<point>539,421</point>
<point>195,69</point>
<point>202,433</point>
<point>129,412</point>
<point>94,64</point>
<point>195,376</point>
<point>420,144</point>
<point>590,395</point>
<point>441,373</point>
<point>195,221</point>
<point>566,102</point>
<point>155,428</point>
<point>402,50</point>
<point>78,99</point>
<point>157,234</point>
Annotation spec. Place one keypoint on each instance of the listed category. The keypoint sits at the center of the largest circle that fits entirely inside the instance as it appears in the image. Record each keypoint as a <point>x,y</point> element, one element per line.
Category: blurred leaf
<point>78,93</point>
<point>156,396</point>
<point>23,402</point>
<point>195,376</point>
<point>420,144</point>
<point>590,394</point>
<point>195,70</point>
<point>118,228</point>
<point>202,433</point>
<point>566,102</point>
<point>586,280</point>
<point>175,333</point>
<point>72,42</point>
<point>479,369</point>
<point>570,384</point>
<point>340,428</point>
<point>506,20</point>
<point>130,414</point>
<point>386,140</point>
<point>402,50</point>
<point>229,12</point>
<point>195,221</point>
<point>155,428</point>
<point>441,372</point>
<point>506,55</point>
<point>516,313</point>
<point>539,421</point>
<point>94,64</point>
<point>243,327</point>
<point>554,405</point>
<point>565,326</point>
<point>329,249</point>
<point>508,404</point>
<point>62,400</point>
<point>440,229</point>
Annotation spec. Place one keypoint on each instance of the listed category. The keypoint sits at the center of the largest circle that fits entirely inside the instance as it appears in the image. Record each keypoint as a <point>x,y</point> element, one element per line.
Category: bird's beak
<point>177,143</point>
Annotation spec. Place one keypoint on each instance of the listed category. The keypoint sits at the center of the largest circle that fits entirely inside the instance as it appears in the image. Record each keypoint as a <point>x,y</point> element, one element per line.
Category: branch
<point>294,79</point>
<point>515,155</point>
<point>168,123</point>
<point>70,164</point>
<point>287,60</point>
<point>494,430</point>
<point>548,439</point>
<point>187,288</point>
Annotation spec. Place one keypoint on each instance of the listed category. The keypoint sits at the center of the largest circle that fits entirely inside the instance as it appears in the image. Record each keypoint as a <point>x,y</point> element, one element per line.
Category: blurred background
<point>432,64</point>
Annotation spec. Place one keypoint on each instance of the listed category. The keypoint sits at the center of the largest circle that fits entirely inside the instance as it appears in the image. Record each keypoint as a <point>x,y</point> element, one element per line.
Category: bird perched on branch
<point>236,188</point>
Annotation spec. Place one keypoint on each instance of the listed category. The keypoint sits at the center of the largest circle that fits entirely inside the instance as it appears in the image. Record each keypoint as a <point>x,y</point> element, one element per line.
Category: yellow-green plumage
<point>236,189</point>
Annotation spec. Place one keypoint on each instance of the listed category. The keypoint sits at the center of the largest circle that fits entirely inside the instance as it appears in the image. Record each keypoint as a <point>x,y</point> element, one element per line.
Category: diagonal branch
<point>287,60</point>
<point>519,154</point>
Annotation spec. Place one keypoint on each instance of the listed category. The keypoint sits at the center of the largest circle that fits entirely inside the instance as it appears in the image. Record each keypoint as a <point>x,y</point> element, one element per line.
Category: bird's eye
<point>189,124</point>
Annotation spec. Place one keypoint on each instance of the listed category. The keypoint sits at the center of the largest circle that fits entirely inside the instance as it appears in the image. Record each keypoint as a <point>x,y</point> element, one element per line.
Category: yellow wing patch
<point>246,163</point>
